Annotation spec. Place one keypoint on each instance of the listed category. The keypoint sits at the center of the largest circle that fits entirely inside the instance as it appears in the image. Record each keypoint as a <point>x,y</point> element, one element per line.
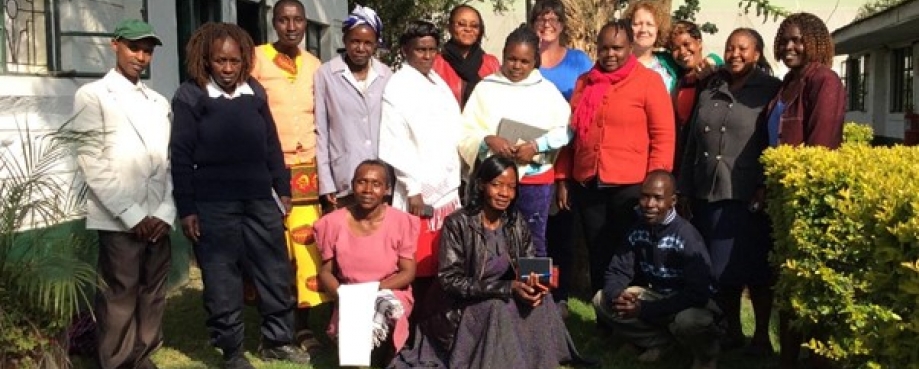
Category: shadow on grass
<point>187,343</point>
<point>613,353</point>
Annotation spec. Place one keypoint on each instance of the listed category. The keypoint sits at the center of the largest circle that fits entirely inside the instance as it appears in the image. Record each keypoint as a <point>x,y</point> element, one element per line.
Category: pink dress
<point>370,258</point>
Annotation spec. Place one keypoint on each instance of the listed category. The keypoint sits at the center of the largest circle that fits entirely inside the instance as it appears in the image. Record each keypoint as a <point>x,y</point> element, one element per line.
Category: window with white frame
<point>61,37</point>
<point>901,79</point>
<point>856,81</point>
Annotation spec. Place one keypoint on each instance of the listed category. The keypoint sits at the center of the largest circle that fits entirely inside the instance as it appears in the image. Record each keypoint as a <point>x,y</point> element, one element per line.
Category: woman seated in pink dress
<point>372,242</point>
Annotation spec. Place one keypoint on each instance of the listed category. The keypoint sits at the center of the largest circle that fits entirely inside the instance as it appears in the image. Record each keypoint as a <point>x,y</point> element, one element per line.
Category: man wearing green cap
<point>130,200</point>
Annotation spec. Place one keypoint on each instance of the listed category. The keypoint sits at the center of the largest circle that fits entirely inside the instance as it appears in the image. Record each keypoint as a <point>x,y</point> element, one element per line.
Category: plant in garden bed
<point>43,281</point>
<point>846,228</point>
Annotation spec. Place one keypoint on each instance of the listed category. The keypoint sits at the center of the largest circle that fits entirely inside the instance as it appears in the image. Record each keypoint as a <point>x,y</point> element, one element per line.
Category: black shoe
<point>147,364</point>
<point>237,362</point>
<point>286,353</point>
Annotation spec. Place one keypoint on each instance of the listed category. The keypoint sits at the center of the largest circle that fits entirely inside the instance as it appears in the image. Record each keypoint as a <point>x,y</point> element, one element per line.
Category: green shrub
<point>846,227</point>
<point>857,133</point>
<point>43,281</point>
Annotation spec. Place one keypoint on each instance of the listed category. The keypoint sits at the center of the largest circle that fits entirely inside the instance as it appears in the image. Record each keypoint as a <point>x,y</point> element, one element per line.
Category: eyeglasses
<point>554,22</point>
<point>466,25</point>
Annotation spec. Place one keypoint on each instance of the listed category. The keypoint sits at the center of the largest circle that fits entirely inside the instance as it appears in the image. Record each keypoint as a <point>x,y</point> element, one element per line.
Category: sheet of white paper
<point>355,322</point>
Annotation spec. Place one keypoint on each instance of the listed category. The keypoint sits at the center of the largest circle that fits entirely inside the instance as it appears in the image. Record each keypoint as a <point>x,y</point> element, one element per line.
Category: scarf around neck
<point>467,68</point>
<point>598,82</point>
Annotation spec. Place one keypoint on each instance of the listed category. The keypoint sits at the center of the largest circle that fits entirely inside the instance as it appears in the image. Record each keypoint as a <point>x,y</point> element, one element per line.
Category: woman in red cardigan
<point>462,62</point>
<point>623,126</point>
<point>811,104</point>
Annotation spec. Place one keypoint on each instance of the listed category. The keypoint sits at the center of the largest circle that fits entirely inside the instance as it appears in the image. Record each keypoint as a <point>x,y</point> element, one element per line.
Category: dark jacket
<point>671,257</point>
<point>224,149</point>
<point>462,259</point>
<point>726,137</point>
<point>815,112</point>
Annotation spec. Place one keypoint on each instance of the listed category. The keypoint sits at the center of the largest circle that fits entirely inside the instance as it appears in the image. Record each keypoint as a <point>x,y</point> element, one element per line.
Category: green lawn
<point>186,343</point>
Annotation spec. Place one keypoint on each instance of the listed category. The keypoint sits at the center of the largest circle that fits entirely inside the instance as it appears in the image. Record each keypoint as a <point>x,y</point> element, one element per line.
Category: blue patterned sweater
<point>672,259</point>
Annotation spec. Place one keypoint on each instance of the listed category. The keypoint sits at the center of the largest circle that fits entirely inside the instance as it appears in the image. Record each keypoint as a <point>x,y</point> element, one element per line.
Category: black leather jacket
<point>462,258</point>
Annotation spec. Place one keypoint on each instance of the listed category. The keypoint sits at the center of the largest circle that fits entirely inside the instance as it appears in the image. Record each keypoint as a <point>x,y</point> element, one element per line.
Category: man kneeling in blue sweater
<point>676,302</point>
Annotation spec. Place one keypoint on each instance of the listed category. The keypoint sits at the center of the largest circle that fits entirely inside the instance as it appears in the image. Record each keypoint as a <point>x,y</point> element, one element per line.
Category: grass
<point>186,343</point>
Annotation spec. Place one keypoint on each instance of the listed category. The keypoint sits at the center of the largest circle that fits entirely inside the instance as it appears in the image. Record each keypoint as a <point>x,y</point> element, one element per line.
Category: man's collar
<point>118,82</point>
<point>671,215</point>
<point>214,91</point>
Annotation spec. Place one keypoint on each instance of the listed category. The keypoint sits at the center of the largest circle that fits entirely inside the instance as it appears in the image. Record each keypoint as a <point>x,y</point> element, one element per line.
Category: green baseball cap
<point>135,29</point>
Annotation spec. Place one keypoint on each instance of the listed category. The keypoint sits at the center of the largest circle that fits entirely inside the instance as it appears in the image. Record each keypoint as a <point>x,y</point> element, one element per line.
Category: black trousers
<point>244,236</point>
<point>606,215</point>
<point>561,243</point>
<point>129,309</point>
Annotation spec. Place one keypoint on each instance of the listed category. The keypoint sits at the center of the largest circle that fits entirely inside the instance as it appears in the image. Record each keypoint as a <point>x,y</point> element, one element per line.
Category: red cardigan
<point>632,134</point>
<point>814,115</point>
<point>490,65</point>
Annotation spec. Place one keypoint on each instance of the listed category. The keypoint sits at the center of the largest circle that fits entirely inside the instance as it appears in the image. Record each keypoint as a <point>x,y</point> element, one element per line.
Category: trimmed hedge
<point>846,228</point>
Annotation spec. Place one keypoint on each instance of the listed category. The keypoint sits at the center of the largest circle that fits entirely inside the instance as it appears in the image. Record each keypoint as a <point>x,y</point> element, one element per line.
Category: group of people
<point>297,176</point>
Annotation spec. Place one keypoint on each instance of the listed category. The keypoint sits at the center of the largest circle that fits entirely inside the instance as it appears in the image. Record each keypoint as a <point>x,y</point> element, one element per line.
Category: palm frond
<point>40,271</point>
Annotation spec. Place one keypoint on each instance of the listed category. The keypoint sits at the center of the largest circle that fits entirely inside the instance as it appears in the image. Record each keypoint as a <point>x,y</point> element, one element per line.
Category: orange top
<point>290,98</point>
<point>632,133</point>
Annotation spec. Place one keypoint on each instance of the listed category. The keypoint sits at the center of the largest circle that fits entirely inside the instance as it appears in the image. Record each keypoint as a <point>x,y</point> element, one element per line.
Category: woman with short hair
<point>463,63</point>
<point>518,94</point>
<point>722,179</point>
<point>623,129</point>
<point>370,241</point>
<point>418,136</point>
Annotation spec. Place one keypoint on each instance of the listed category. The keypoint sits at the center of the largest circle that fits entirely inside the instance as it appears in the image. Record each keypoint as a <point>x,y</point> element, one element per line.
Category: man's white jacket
<point>126,165</point>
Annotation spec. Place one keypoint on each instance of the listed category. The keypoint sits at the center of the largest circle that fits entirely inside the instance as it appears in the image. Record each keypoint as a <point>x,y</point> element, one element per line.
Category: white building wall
<point>500,24</point>
<point>330,13</point>
<point>41,102</point>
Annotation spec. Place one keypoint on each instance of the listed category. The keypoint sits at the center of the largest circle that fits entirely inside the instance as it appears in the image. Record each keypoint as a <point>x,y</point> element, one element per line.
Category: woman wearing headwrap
<point>462,62</point>
<point>349,100</point>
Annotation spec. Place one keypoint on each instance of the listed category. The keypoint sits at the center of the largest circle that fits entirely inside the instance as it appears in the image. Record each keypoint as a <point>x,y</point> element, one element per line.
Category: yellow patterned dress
<point>289,84</point>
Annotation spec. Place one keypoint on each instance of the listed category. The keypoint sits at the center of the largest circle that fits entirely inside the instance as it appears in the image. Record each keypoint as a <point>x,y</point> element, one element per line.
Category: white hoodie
<point>534,101</point>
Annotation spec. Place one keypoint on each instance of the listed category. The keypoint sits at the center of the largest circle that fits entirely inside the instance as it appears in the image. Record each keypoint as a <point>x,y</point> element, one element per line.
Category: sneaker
<point>286,353</point>
<point>237,362</point>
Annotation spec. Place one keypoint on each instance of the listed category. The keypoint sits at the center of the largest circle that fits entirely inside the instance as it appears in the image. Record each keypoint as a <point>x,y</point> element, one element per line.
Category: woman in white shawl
<point>419,134</point>
<point>519,93</point>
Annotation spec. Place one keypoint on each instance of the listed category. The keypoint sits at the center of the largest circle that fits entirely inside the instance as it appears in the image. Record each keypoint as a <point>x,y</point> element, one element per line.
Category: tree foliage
<point>584,16</point>
<point>396,14</point>
<point>876,6</point>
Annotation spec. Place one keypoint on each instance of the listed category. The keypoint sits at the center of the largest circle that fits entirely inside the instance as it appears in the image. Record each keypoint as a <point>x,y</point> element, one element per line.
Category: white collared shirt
<point>364,84</point>
<point>214,91</point>
<point>119,82</point>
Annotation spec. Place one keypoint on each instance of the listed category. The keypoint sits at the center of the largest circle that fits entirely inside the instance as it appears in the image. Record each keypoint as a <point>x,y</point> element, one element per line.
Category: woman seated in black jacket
<point>480,298</point>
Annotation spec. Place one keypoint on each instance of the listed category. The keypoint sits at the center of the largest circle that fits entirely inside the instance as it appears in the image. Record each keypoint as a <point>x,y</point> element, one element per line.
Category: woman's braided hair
<point>818,44</point>
<point>198,50</point>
